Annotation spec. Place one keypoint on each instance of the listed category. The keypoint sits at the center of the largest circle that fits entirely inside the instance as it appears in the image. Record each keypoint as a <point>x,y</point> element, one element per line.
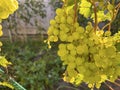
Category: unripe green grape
<point>91,85</point>
<point>73,52</point>
<point>62,52</point>
<point>51,38</point>
<point>103,78</point>
<point>100,33</point>
<point>93,50</point>
<point>76,24</point>
<point>59,12</point>
<point>110,51</point>
<point>71,12</point>
<point>80,30</point>
<point>107,33</point>
<point>79,61</point>
<point>50,30</point>
<point>66,29</point>
<point>71,58</point>
<point>0,27</point>
<point>79,79</point>
<point>91,43</point>
<point>71,65</point>
<point>1,32</point>
<point>52,22</point>
<point>55,39</point>
<point>64,58</point>
<point>89,27</point>
<point>62,46</point>
<point>70,39</point>
<point>71,71</point>
<point>80,49</point>
<point>63,37</point>
<point>55,32</point>
<point>75,35</point>
<point>70,46</point>
<point>98,85</point>
<point>62,26</point>
<point>69,20</point>
<point>102,52</point>
<point>81,69</point>
<point>57,19</point>
<point>63,19</point>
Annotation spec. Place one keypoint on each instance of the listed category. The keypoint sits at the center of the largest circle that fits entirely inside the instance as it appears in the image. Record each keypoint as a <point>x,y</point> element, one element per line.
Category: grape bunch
<point>89,56</point>
<point>7,7</point>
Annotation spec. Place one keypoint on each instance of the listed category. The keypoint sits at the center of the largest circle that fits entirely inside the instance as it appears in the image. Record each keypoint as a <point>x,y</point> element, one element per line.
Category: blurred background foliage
<point>28,13</point>
<point>35,68</point>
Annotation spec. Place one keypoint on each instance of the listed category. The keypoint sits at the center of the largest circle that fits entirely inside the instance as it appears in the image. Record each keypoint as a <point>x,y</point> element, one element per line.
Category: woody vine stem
<point>95,13</point>
<point>75,11</point>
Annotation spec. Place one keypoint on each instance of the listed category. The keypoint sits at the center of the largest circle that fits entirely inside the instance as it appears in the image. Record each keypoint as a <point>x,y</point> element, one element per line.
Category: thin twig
<point>108,86</point>
<point>115,12</point>
<point>118,79</point>
<point>117,84</point>
<point>66,87</point>
<point>95,13</point>
<point>75,11</point>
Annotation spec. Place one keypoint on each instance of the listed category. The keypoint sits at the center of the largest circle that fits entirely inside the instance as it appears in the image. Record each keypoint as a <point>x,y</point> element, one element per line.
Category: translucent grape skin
<point>88,56</point>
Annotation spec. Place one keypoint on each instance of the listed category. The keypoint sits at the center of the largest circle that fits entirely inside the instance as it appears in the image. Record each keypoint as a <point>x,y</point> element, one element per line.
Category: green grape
<point>62,52</point>
<point>89,28</point>
<point>80,30</point>
<point>98,85</point>
<point>69,20</point>
<point>66,29</point>
<point>79,79</point>
<point>64,58</point>
<point>50,30</point>
<point>73,52</point>
<point>57,19</point>
<point>70,39</point>
<point>110,51</point>
<point>82,49</point>
<point>107,33</point>
<point>63,37</point>
<point>71,71</point>
<point>52,22</point>
<point>76,25</point>
<point>62,26</point>
<point>100,33</point>
<point>59,12</point>
<point>72,65</point>
<point>81,69</point>
<point>55,32</point>
<point>71,12</point>
<point>75,35</point>
<point>63,19</point>
<point>79,61</point>
<point>92,50</point>
<point>53,38</point>
<point>71,59</point>
<point>70,46</point>
<point>62,46</point>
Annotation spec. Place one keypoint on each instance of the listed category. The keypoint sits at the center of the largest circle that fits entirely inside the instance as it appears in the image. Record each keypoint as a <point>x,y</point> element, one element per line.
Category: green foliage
<point>85,8</point>
<point>35,68</point>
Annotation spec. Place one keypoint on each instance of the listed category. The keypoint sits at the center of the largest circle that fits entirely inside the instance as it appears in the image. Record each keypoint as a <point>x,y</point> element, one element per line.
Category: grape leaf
<point>85,8</point>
